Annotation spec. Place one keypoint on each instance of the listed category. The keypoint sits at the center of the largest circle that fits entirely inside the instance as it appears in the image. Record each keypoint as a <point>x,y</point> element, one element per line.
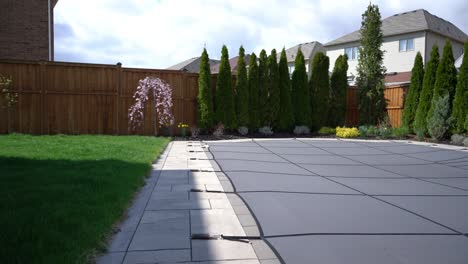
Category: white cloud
<point>157,34</point>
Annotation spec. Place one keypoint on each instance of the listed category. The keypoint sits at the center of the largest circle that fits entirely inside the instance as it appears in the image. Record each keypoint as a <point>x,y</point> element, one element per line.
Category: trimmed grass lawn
<point>60,195</point>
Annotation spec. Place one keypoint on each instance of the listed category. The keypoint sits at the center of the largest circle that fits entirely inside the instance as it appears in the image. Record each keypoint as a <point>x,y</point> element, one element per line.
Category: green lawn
<point>60,195</point>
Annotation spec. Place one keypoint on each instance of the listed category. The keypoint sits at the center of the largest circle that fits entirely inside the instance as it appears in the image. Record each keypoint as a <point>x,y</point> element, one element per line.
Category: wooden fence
<point>395,96</point>
<point>77,98</point>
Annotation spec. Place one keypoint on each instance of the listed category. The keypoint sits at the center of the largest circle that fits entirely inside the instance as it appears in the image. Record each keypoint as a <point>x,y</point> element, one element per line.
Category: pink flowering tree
<point>162,94</point>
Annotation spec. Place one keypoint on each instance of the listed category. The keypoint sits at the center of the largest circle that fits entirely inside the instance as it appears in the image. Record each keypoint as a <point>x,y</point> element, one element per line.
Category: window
<point>352,53</point>
<point>406,44</point>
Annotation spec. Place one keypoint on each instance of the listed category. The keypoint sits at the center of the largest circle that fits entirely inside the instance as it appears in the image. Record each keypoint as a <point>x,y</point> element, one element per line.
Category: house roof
<point>458,62</point>
<point>233,62</point>
<point>190,65</point>
<point>306,48</point>
<point>407,22</point>
<point>394,78</point>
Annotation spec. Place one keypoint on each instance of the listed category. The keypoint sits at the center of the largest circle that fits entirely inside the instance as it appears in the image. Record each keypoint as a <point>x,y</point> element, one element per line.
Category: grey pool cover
<point>330,202</point>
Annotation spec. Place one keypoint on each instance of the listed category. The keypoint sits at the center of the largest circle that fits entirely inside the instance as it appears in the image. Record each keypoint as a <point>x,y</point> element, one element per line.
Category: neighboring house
<point>459,61</point>
<point>233,62</point>
<point>27,29</point>
<point>404,35</point>
<point>309,49</point>
<point>191,65</point>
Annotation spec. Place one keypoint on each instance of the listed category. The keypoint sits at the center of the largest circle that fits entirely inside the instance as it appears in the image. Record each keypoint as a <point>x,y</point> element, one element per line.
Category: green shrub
<point>363,130</point>
<point>286,115</point>
<point>300,92</point>
<point>384,132</point>
<point>252,81</point>
<point>327,131</point>
<point>301,130</point>
<point>372,131</point>
<point>319,86</point>
<point>400,132</point>
<point>263,89</point>
<point>273,90</point>
<point>465,142</point>
<point>437,123</point>
<point>224,108</point>
<point>204,98</point>
<point>242,91</point>
<point>338,88</point>
<point>460,102</point>
<point>347,132</point>
<point>412,100</point>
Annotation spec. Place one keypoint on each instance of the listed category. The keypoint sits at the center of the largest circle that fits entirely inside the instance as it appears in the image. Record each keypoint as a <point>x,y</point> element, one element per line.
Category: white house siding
<point>394,60</point>
<point>439,40</point>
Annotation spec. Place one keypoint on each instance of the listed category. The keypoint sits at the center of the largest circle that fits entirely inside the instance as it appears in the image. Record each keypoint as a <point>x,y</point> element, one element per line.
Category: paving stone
<point>111,258</point>
<point>169,196</point>
<point>227,186</point>
<point>164,234</point>
<point>241,209</point>
<point>214,187</point>
<point>234,199</point>
<point>262,250</point>
<point>251,231</point>
<point>120,241</point>
<point>163,216</point>
<point>220,204</point>
<point>178,204</point>
<point>163,188</point>
<point>143,257</point>
<point>206,250</point>
<point>244,261</point>
<point>206,195</point>
<point>246,220</point>
<point>209,178</point>
<point>270,261</point>
<point>187,187</point>
<point>215,221</point>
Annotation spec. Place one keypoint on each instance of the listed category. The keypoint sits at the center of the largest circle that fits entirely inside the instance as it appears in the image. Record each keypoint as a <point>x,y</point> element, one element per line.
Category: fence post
<point>117,99</point>
<point>42,70</point>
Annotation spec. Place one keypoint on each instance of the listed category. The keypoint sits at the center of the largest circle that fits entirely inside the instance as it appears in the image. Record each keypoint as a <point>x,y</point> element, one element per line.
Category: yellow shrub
<point>347,132</point>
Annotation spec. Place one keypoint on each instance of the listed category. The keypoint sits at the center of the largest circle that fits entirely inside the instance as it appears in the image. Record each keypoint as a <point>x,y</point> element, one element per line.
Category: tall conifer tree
<point>225,110</point>
<point>286,115</point>
<point>242,91</point>
<point>319,86</point>
<point>253,93</point>
<point>460,102</point>
<point>300,92</point>
<point>372,103</point>
<point>412,100</point>
<point>273,89</point>
<point>338,92</point>
<point>204,98</point>
<point>263,88</point>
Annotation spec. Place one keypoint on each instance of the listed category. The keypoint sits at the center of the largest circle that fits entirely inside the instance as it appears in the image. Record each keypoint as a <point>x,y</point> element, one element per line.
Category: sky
<point>161,33</point>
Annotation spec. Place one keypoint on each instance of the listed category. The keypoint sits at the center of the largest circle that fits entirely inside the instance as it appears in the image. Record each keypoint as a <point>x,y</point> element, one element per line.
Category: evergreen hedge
<point>338,92</point>
<point>412,99</point>
<point>425,99</point>
<point>286,115</point>
<point>242,91</point>
<point>300,92</point>
<point>273,89</point>
<point>263,89</point>
<point>225,110</point>
<point>460,102</point>
<point>319,86</point>
<point>254,122</point>
<point>204,98</point>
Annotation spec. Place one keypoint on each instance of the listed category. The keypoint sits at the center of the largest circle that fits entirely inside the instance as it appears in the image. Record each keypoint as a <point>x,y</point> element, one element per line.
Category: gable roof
<point>190,65</point>
<point>408,22</point>
<point>307,49</point>
<point>233,62</point>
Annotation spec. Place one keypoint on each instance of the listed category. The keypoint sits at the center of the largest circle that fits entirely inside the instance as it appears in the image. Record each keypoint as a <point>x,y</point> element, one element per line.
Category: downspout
<point>50,29</point>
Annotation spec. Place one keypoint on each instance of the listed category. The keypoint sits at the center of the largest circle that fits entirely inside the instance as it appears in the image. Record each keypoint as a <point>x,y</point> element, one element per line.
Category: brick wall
<point>24,32</point>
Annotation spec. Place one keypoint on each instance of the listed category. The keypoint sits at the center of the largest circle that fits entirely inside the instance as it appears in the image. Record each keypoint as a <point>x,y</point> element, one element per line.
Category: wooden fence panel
<point>77,98</point>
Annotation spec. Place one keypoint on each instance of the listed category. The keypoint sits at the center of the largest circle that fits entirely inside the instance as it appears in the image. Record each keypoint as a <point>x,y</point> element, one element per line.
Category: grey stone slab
<point>158,256</point>
<point>234,199</point>
<point>206,178</point>
<point>215,221</point>
<point>398,186</point>
<point>362,150</point>
<point>206,196</point>
<point>164,234</point>
<point>177,204</point>
<point>246,220</point>
<point>454,182</point>
<point>169,196</point>
<point>350,171</point>
<point>255,181</point>
<point>441,155</point>
<point>227,186</point>
<point>244,261</point>
<point>163,216</point>
<point>262,250</point>
<point>173,181</point>
<point>236,165</point>
<point>312,213</point>
<point>111,258</point>
<point>319,159</point>
<point>391,159</point>
<point>254,149</point>
<point>241,209</point>
<point>220,204</point>
<point>451,211</point>
<point>120,241</point>
<point>214,187</point>
<point>407,149</point>
<point>248,156</point>
<point>427,170</point>
<point>208,250</point>
<point>251,230</point>
<point>298,151</point>
<point>181,173</point>
<point>163,188</point>
<point>270,261</point>
<point>187,187</point>
<point>372,249</point>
